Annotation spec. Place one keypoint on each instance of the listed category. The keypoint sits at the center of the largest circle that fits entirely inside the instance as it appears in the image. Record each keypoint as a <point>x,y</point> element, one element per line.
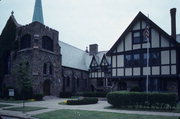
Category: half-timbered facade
<point>129,58</point>
<point>100,72</point>
<point>136,57</point>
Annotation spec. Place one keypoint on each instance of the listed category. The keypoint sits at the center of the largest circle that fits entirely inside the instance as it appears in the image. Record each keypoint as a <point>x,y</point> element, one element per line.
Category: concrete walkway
<point>53,105</point>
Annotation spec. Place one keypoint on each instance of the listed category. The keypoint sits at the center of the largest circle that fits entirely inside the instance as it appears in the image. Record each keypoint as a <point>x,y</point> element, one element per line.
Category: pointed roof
<point>38,12</point>
<point>140,16</point>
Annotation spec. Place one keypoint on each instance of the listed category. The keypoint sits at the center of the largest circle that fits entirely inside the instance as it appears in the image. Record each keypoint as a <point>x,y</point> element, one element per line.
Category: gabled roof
<point>104,58</point>
<point>73,57</point>
<point>94,59</point>
<point>140,16</point>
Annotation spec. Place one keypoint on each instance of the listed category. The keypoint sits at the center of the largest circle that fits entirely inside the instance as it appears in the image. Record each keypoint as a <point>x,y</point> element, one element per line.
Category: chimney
<point>93,49</point>
<point>173,22</point>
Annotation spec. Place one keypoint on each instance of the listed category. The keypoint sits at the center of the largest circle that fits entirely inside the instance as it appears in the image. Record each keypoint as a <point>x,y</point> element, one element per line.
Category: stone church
<point>123,67</point>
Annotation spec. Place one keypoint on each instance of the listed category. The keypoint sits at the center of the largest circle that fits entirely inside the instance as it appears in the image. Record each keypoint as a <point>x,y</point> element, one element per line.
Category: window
<point>154,58</point>
<point>25,42</point>
<point>51,69</point>
<point>128,60</point>
<point>145,59</point>
<point>77,82</point>
<point>45,68</point>
<point>47,43</point>
<point>136,59</point>
<point>68,82</point>
<point>136,37</point>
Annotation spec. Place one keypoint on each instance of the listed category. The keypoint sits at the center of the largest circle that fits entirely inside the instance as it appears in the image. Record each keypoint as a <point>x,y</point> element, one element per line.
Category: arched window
<point>51,69</point>
<point>47,43</point>
<point>25,41</point>
<point>45,68</point>
<point>77,82</point>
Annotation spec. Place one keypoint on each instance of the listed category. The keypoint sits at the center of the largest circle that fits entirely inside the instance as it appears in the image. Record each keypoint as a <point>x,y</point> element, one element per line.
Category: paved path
<point>52,105</point>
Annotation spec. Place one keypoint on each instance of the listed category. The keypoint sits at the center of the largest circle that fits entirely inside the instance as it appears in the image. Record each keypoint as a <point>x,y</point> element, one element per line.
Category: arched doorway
<point>122,85</point>
<point>47,87</point>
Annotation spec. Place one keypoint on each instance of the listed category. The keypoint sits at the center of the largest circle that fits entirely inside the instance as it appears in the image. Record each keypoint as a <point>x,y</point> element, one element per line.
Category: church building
<point>137,60</point>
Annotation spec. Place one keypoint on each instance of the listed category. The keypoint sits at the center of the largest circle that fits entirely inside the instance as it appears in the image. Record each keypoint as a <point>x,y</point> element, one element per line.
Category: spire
<point>38,12</point>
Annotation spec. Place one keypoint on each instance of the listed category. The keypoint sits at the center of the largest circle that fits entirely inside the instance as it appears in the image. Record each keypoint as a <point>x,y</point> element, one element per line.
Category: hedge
<point>142,100</point>
<point>94,94</point>
<point>82,101</point>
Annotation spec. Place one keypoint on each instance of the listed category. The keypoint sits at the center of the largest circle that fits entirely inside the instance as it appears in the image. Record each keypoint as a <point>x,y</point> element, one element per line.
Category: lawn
<point>25,109</point>
<point>2,105</point>
<point>177,110</point>
<point>77,114</point>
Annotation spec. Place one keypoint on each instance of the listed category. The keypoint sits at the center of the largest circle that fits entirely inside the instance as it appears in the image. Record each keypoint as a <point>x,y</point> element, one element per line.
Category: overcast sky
<point>84,22</point>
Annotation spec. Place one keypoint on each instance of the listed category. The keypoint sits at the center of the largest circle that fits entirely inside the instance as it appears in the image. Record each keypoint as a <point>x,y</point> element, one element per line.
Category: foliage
<point>65,94</point>
<point>24,80</point>
<point>142,100</point>
<point>94,94</point>
<point>82,101</point>
<point>135,89</point>
<point>83,114</point>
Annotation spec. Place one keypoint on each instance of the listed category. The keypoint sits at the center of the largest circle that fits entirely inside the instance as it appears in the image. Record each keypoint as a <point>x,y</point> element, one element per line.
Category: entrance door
<point>47,87</point>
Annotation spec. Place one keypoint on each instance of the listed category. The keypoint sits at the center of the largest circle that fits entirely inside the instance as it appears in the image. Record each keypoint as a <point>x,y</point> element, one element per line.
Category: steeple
<point>38,12</point>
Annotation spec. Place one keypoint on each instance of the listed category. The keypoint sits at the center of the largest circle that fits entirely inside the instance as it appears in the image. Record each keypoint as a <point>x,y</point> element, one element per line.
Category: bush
<point>82,101</point>
<point>65,94</point>
<point>135,89</point>
<point>142,100</point>
<point>94,94</point>
<point>38,97</point>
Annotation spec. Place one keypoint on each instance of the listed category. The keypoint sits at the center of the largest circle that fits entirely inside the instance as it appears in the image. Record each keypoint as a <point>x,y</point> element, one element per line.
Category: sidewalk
<point>53,105</point>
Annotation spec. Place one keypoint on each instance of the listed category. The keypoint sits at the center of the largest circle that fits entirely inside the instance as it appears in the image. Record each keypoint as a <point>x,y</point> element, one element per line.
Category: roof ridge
<point>72,46</point>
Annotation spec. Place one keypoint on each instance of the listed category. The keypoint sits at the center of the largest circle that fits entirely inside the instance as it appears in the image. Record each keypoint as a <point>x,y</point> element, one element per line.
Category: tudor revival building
<point>125,64</point>
<point>57,66</point>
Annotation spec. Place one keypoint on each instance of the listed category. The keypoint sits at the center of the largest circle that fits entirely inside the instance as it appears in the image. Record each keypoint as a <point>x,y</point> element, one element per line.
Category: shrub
<point>65,94</point>
<point>142,100</point>
<point>38,97</point>
<point>82,101</point>
<point>135,89</point>
<point>94,94</point>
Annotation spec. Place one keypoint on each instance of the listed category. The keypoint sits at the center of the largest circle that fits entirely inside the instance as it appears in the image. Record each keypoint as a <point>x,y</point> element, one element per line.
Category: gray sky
<point>84,22</point>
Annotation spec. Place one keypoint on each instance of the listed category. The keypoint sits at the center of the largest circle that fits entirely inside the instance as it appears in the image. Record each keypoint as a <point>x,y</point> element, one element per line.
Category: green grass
<point>2,105</point>
<point>77,114</point>
<point>177,110</point>
<point>25,109</point>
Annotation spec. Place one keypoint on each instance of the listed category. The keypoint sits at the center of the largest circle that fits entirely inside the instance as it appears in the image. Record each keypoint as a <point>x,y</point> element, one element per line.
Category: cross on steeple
<point>38,12</point>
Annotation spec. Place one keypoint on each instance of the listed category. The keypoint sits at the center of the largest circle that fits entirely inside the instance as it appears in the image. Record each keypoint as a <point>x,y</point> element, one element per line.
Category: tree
<point>24,80</point>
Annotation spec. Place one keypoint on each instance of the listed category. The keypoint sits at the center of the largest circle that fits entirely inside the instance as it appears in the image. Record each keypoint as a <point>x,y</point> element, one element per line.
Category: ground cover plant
<point>81,101</point>
<point>25,109</point>
<point>77,114</point>
<point>140,100</point>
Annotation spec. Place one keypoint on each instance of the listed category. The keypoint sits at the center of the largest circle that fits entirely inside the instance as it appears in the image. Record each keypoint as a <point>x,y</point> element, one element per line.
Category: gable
<point>93,62</point>
<point>104,61</point>
<point>139,23</point>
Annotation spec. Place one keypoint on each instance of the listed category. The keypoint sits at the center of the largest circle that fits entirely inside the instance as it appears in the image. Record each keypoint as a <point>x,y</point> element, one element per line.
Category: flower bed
<point>82,101</point>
